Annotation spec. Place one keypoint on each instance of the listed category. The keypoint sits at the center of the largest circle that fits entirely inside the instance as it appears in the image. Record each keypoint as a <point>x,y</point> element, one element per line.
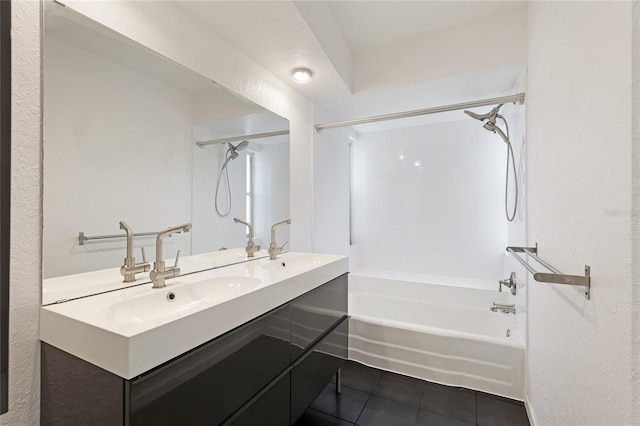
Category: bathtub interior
<point>440,333</point>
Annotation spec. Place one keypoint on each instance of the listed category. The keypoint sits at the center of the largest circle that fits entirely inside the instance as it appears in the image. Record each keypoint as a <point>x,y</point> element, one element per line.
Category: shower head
<point>242,145</point>
<point>495,129</point>
<point>491,116</point>
<point>234,149</point>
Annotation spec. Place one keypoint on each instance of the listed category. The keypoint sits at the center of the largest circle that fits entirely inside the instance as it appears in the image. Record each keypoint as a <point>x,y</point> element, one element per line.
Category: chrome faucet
<point>507,309</point>
<point>130,268</point>
<point>509,282</point>
<point>274,250</point>
<point>160,273</point>
<point>251,247</point>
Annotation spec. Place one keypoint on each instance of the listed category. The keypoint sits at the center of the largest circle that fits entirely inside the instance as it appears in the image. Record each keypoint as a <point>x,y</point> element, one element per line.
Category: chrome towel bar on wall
<point>84,238</point>
<point>556,277</point>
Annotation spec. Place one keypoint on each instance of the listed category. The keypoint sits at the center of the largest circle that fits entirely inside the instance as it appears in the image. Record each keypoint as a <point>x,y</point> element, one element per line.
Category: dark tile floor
<point>372,397</point>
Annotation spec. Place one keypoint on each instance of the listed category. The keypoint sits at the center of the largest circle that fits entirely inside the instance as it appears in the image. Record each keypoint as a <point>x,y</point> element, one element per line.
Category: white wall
<point>517,229</point>
<point>331,188</point>
<point>117,146</point>
<point>167,29</point>
<point>26,217</point>
<point>271,199</point>
<point>579,151</point>
<point>430,200</point>
<point>635,231</point>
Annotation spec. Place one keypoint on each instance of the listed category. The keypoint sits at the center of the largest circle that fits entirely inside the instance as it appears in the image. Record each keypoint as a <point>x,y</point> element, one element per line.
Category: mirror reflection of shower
<point>491,118</point>
<point>231,154</point>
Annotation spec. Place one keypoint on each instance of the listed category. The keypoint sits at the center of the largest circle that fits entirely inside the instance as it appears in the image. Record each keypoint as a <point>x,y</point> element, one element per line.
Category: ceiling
<point>358,50</point>
<point>370,25</point>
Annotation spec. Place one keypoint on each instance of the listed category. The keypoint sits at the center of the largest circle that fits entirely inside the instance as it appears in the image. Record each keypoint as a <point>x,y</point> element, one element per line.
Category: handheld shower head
<point>495,129</point>
<point>234,149</point>
<point>242,145</point>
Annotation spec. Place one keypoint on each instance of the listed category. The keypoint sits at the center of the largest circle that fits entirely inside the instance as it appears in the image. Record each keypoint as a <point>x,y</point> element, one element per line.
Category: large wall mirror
<point>121,131</point>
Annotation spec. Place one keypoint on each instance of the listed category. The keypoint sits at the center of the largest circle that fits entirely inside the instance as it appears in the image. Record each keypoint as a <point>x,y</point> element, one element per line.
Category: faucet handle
<point>175,265</point>
<point>144,256</point>
<point>281,248</point>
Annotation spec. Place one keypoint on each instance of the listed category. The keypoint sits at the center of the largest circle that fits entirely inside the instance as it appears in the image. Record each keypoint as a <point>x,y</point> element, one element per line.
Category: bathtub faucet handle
<point>508,282</point>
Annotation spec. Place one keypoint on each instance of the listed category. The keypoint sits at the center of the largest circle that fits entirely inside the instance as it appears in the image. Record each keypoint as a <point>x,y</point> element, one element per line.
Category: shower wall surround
<point>429,200</point>
<point>517,229</point>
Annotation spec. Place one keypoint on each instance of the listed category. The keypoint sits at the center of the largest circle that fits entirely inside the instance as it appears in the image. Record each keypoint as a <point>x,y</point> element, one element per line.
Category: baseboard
<point>529,408</point>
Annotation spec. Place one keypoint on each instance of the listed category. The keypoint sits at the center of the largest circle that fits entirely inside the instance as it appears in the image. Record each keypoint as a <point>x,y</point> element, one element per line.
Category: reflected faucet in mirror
<point>251,247</point>
<point>160,273</point>
<point>130,268</point>
<point>274,250</point>
<point>191,108</point>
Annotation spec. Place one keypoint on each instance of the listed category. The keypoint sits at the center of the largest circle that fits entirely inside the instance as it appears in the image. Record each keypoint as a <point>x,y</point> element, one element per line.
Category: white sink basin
<point>295,262</point>
<point>74,286</point>
<point>176,302</point>
<point>133,330</point>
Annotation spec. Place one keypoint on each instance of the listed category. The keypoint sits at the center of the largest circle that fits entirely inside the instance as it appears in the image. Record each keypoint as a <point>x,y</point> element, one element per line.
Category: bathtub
<point>440,333</point>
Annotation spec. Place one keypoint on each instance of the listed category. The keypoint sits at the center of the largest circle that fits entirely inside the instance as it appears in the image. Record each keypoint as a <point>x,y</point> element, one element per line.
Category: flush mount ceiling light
<point>301,75</point>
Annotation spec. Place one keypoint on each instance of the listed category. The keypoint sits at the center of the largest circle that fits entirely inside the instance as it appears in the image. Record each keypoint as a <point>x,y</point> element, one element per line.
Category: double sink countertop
<point>135,329</point>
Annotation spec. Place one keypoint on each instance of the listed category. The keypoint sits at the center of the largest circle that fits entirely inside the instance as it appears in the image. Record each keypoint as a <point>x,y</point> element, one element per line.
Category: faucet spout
<point>251,247</point>
<point>130,268</point>
<point>274,250</point>
<point>175,230</point>
<point>129,233</point>
<point>161,273</point>
<point>507,309</point>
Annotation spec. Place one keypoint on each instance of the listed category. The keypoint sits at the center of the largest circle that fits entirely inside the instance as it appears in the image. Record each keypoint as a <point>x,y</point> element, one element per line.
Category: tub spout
<point>507,309</point>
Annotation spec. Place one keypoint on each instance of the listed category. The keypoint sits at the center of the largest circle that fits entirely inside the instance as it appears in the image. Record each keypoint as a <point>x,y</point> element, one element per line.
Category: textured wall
<point>579,180</point>
<point>635,230</point>
<point>26,218</point>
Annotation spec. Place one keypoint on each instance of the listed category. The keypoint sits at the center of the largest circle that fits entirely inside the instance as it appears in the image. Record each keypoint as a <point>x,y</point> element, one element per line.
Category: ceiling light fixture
<point>301,75</point>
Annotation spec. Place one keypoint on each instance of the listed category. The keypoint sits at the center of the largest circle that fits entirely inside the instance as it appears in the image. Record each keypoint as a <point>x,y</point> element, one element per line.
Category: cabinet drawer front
<point>315,312</point>
<point>271,409</point>
<point>208,384</point>
<point>313,371</point>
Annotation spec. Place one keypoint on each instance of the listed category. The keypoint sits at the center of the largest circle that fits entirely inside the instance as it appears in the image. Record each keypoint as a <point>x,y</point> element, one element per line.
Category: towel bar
<point>83,238</point>
<point>556,276</point>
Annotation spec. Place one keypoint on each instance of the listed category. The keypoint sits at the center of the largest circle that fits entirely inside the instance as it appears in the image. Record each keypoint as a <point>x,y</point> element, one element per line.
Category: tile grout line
<point>424,391</point>
<point>475,396</point>
<point>367,401</point>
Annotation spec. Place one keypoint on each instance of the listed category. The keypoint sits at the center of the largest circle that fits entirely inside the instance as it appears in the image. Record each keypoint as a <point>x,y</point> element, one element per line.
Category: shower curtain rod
<point>473,104</point>
<point>241,138</point>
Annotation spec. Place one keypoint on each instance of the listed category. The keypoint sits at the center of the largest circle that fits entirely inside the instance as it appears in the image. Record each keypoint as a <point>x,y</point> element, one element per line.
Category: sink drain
<point>171,296</point>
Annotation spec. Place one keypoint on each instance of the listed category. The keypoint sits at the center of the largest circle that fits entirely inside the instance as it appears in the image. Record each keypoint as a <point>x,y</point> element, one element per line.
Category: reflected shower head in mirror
<point>232,154</point>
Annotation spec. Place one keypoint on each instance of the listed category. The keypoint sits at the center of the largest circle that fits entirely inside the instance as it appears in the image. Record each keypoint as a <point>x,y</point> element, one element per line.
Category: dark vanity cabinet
<point>209,384</point>
<point>264,372</point>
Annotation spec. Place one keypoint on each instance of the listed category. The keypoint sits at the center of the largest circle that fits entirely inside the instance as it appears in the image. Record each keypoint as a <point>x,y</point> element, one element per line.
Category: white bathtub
<point>437,333</point>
